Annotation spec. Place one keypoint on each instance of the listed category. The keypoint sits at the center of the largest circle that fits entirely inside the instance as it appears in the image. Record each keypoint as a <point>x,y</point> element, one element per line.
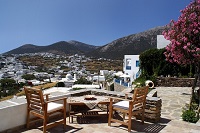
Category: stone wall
<point>153,109</point>
<point>174,82</point>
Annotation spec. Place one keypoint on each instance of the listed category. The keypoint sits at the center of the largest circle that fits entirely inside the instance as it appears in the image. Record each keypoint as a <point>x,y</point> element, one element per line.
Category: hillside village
<point>67,69</point>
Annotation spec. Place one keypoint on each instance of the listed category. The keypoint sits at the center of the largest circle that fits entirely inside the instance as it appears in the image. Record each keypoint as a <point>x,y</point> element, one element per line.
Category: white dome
<point>69,76</point>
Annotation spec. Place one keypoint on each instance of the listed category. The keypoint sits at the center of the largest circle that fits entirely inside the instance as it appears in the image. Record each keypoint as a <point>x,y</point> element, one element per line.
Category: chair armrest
<point>113,100</point>
<point>59,99</point>
<point>47,96</point>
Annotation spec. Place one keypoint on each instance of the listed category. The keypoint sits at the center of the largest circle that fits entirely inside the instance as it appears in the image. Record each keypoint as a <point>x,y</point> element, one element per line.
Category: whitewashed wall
<point>132,63</point>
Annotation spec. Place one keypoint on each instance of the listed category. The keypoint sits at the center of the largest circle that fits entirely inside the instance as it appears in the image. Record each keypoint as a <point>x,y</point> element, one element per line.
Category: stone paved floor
<point>173,100</point>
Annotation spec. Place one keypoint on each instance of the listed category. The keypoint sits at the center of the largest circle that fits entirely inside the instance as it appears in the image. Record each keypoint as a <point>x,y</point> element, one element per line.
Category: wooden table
<point>92,105</point>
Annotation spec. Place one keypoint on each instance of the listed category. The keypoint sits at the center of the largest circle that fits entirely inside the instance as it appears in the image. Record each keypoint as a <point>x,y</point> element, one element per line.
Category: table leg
<point>69,112</point>
<point>107,108</point>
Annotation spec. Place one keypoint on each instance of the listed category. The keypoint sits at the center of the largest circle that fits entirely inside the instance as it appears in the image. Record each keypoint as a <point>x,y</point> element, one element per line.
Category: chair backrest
<point>139,96</point>
<point>35,99</point>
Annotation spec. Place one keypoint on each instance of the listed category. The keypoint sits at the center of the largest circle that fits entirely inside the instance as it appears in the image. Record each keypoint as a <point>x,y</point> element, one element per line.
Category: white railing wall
<point>12,116</point>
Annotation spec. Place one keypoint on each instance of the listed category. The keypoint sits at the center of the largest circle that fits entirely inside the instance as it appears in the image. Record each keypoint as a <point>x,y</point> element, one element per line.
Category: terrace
<point>13,114</point>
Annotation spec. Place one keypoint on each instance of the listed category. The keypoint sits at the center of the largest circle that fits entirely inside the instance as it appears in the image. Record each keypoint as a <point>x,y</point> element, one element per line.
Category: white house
<point>99,78</point>
<point>103,72</point>
<point>131,66</point>
<point>162,42</point>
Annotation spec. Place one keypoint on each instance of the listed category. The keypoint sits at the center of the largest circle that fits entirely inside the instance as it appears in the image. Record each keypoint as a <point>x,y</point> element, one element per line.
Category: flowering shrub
<point>184,35</point>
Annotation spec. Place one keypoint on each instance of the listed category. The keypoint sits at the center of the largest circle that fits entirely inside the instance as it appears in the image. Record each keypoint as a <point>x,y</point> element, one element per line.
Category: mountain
<point>62,47</point>
<point>129,45</point>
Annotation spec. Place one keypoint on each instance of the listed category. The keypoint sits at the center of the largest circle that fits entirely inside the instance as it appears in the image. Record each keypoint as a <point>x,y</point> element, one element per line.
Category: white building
<point>131,66</point>
<point>69,80</point>
<point>99,78</point>
<point>103,72</point>
<point>162,42</point>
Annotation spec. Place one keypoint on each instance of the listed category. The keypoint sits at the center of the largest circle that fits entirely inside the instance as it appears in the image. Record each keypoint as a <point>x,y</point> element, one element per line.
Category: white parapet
<point>12,116</point>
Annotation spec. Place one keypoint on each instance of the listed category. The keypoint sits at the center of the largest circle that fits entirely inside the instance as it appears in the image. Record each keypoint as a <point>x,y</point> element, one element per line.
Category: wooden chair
<point>43,108</point>
<point>129,107</point>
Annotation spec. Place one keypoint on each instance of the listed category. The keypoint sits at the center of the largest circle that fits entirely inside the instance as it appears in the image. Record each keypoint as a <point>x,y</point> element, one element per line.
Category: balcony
<point>13,114</point>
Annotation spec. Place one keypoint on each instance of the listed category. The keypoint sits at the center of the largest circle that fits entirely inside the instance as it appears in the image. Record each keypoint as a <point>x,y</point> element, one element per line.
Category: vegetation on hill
<point>28,77</point>
<point>96,65</point>
<point>82,80</point>
<point>42,63</point>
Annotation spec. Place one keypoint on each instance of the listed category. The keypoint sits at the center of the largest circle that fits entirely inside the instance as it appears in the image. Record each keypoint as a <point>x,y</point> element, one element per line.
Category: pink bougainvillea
<point>184,35</point>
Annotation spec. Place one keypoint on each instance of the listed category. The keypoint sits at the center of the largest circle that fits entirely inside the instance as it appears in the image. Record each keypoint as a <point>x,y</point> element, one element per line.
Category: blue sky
<point>95,22</point>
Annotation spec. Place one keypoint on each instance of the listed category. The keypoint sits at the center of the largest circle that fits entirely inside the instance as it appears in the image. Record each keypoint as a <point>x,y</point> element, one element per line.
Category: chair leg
<point>64,115</point>
<point>129,119</point>
<point>44,126</point>
<point>110,115</point>
<point>129,123</point>
<point>142,117</point>
<point>45,123</point>
<point>69,113</point>
<point>28,119</point>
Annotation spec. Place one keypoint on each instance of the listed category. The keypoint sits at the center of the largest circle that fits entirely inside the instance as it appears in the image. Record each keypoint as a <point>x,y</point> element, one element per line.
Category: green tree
<point>60,84</point>
<point>28,77</point>
<point>82,80</point>
<point>153,63</point>
<point>8,87</point>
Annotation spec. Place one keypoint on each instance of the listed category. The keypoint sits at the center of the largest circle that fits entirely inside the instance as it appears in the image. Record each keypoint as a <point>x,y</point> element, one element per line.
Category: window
<point>128,64</point>
<point>137,63</point>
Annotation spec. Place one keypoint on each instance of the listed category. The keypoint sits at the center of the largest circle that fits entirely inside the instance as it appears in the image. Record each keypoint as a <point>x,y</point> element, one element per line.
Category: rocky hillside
<point>129,45</point>
<point>62,47</point>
